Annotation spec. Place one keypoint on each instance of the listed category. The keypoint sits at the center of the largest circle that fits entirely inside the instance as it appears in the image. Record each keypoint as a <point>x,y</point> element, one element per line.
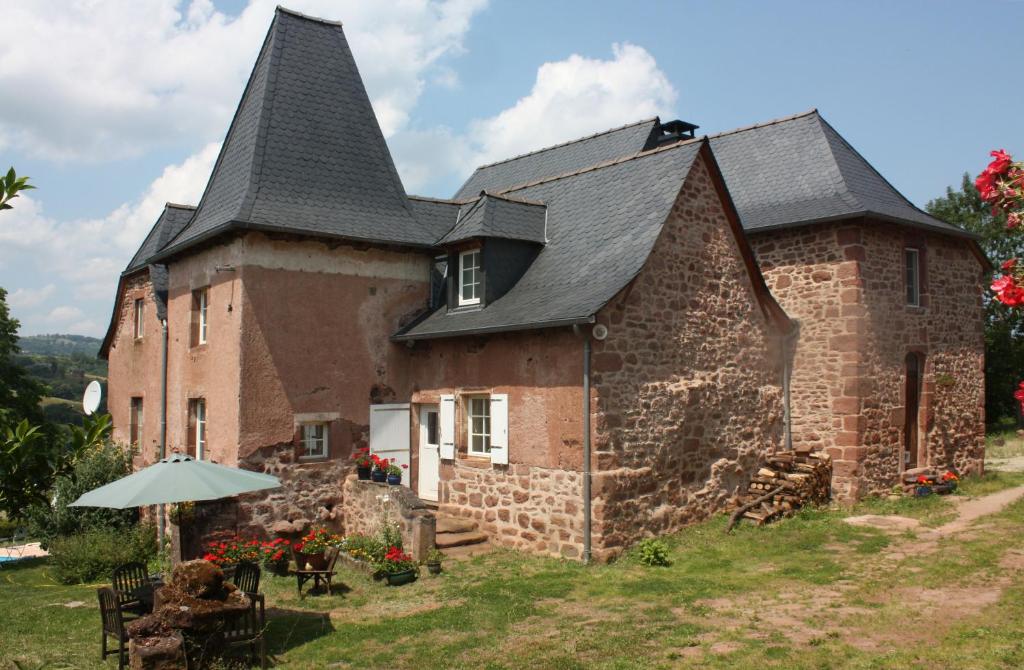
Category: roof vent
<point>671,131</point>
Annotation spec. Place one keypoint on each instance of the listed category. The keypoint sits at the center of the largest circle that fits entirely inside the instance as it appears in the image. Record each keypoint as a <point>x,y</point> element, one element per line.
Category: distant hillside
<point>60,345</point>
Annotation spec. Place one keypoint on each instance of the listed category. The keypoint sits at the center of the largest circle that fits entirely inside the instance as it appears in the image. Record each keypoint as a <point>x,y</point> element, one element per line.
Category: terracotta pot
<point>363,473</point>
<point>379,476</point>
<point>317,561</point>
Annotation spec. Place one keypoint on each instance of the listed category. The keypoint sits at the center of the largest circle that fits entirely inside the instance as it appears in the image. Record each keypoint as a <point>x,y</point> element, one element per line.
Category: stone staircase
<point>460,538</point>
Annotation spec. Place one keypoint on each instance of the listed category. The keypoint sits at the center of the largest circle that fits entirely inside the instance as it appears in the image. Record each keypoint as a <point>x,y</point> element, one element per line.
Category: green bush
<point>93,555</point>
<point>96,467</point>
<point>653,552</point>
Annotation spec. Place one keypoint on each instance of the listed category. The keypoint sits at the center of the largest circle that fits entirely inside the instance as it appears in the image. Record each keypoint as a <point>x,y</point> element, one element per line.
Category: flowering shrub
<point>238,550</point>
<point>363,548</point>
<point>395,560</point>
<point>275,551</point>
<point>317,541</point>
<point>363,458</point>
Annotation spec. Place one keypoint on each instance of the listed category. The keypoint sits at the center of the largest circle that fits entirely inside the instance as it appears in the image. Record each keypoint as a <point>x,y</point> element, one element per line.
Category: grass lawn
<point>808,592</point>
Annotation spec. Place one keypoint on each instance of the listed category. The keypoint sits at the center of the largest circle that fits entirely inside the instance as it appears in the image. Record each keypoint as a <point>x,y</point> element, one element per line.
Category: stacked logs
<point>786,483</point>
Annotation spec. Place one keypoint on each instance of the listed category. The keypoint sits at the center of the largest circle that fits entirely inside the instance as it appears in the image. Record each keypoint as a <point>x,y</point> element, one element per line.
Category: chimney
<point>670,132</point>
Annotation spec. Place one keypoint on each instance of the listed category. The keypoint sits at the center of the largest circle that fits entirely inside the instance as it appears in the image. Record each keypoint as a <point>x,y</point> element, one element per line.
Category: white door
<point>430,452</point>
<point>389,434</point>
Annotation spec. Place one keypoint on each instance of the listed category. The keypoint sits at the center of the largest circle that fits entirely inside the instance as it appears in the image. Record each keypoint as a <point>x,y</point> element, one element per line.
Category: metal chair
<point>247,578</point>
<point>247,629</point>
<point>14,546</point>
<point>133,588</point>
<point>113,626</point>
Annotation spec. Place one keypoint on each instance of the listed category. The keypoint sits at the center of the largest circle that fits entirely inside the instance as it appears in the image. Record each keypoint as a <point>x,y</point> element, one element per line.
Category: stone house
<point>577,350</point>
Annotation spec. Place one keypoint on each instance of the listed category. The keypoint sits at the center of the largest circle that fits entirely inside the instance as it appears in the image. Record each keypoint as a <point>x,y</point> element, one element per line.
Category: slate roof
<point>170,223</point>
<point>304,152</point>
<point>789,172</point>
<point>602,224</point>
<point>560,158</point>
<point>497,216</point>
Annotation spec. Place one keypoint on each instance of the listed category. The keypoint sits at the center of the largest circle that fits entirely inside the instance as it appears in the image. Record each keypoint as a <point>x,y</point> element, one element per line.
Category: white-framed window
<point>200,304</point>
<point>203,299</point>
<point>478,428</point>
<point>314,440</point>
<point>197,427</point>
<point>912,276</point>
<point>469,277</point>
<point>140,313</point>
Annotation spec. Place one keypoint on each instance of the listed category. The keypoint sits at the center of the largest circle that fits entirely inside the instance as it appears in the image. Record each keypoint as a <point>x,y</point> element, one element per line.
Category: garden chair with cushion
<point>247,629</point>
<point>133,588</point>
<point>247,578</point>
<point>113,626</point>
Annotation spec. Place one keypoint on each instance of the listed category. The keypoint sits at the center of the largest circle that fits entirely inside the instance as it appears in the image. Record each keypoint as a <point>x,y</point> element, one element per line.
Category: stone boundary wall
<point>519,506</point>
<point>369,505</point>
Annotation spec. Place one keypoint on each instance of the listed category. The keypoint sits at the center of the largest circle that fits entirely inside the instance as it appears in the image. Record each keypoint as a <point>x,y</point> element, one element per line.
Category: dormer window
<point>469,278</point>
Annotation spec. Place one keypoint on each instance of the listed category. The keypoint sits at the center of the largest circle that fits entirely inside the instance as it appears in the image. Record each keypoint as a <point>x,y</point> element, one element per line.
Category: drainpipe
<point>586,448</point>
<point>163,420</point>
<point>789,341</point>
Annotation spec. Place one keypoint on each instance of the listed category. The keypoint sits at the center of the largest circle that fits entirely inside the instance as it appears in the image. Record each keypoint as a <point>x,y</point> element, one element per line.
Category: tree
<point>1004,326</point>
<point>10,184</point>
<point>19,393</point>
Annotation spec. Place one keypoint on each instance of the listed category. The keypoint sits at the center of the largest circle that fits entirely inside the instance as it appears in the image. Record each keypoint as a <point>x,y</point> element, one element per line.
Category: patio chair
<point>247,578</point>
<point>133,588</point>
<point>247,630</point>
<point>13,547</point>
<point>113,626</point>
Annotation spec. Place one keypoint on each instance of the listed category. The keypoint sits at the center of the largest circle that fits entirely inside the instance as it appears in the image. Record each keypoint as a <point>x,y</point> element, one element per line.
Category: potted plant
<point>398,567</point>
<point>275,556</point>
<point>394,471</point>
<point>310,549</point>
<point>364,463</point>
<point>924,487</point>
<point>950,479</point>
<point>433,561</point>
<point>380,469</point>
<point>227,554</point>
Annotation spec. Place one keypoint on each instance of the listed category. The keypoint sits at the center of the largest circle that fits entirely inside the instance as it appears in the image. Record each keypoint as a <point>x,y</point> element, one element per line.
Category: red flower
<point>922,480</point>
<point>1014,219</point>
<point>1001,162</point>
<point>1008,265</point>
<point>986,185</point>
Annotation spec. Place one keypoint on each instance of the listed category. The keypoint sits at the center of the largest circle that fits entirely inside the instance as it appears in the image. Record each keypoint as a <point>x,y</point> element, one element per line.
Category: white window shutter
<point>499,428</point>
<point>447,421</point>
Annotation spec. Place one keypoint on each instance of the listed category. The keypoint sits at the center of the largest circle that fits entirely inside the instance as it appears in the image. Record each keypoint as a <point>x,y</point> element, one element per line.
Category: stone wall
<point>520,506</point>
<point>369,505</point>
<point>844,282</point>
<point>687,386</point>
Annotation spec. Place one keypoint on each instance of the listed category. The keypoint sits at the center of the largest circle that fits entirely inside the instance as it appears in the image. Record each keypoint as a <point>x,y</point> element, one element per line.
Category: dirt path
<point>967,511</point>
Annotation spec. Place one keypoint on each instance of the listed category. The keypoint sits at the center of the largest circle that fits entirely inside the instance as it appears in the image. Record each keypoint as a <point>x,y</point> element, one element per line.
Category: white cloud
<point>96,81</point>
<point>27,297</point>
<point>64,314</point>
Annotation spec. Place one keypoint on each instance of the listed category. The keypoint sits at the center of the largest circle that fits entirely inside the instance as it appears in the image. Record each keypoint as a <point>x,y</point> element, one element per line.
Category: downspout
<point>163,419</point>
<point>789,341</point>
<point>586,448</point>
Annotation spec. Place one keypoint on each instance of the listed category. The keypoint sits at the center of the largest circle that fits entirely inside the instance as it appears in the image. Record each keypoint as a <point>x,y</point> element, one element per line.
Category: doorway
<point>430,452</point>
<point>912,407</point>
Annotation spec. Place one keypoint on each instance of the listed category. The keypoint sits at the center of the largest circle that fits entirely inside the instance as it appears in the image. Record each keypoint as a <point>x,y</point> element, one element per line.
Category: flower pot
<point>317,561</point>
<point>434,567</point>
<point>279,568</point>
<point>922,491</point>
<point>399,578</point>
<point>379,476</point>
<point>363,473</point>
<point>394,480</point>
<point>300,560</point>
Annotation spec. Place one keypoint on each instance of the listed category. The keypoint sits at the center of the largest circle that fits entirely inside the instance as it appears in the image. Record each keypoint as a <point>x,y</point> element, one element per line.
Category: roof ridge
<point>598,166</point>
<point>567,143</point>
<point>443,201</point>
<point>522,201</point>
<point>772,122</point>
<point>315,19</point>
<point>178,205</point>
<point>842,188</point>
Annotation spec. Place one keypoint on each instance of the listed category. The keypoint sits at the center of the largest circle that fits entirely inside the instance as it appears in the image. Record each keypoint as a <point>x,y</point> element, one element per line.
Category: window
<point>314,440</point>
<point>479,428</point>
<point>135,422</point>
<point>912,265</point>
<point>197,427</point>
<point>140,310</point>
<point>433,432</point>
<point>469,277</point>
<point>200,302</point>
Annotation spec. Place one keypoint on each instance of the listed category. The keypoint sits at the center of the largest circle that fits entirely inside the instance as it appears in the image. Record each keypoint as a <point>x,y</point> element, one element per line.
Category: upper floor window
<point>200,303</point>
<point>197,427</point>
<point>469,277</point>
<point>139,314</point>
<point>912,276</point>
<point>314,440</point>
<point>135,422</point>
<point>479,428</point>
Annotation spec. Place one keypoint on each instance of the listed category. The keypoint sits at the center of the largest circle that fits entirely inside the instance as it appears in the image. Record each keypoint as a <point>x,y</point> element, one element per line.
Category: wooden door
<point>912,405</point>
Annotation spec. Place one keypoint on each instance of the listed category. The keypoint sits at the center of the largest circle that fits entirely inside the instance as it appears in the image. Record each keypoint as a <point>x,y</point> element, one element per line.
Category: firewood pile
<point>786,482</point>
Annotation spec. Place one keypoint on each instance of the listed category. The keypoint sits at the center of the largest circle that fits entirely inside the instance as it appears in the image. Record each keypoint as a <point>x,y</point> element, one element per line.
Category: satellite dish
<point>600,331</point>
<point>91,397</point>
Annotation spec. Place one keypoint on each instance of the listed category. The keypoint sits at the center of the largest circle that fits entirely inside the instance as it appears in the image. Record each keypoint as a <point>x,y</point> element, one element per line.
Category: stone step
<point>446,540</point>
<point>453,524</point>
<point>468,551</point>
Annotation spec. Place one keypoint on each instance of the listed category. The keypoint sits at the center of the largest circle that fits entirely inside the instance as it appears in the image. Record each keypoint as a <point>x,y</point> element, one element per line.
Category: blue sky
<point>113,109</point>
